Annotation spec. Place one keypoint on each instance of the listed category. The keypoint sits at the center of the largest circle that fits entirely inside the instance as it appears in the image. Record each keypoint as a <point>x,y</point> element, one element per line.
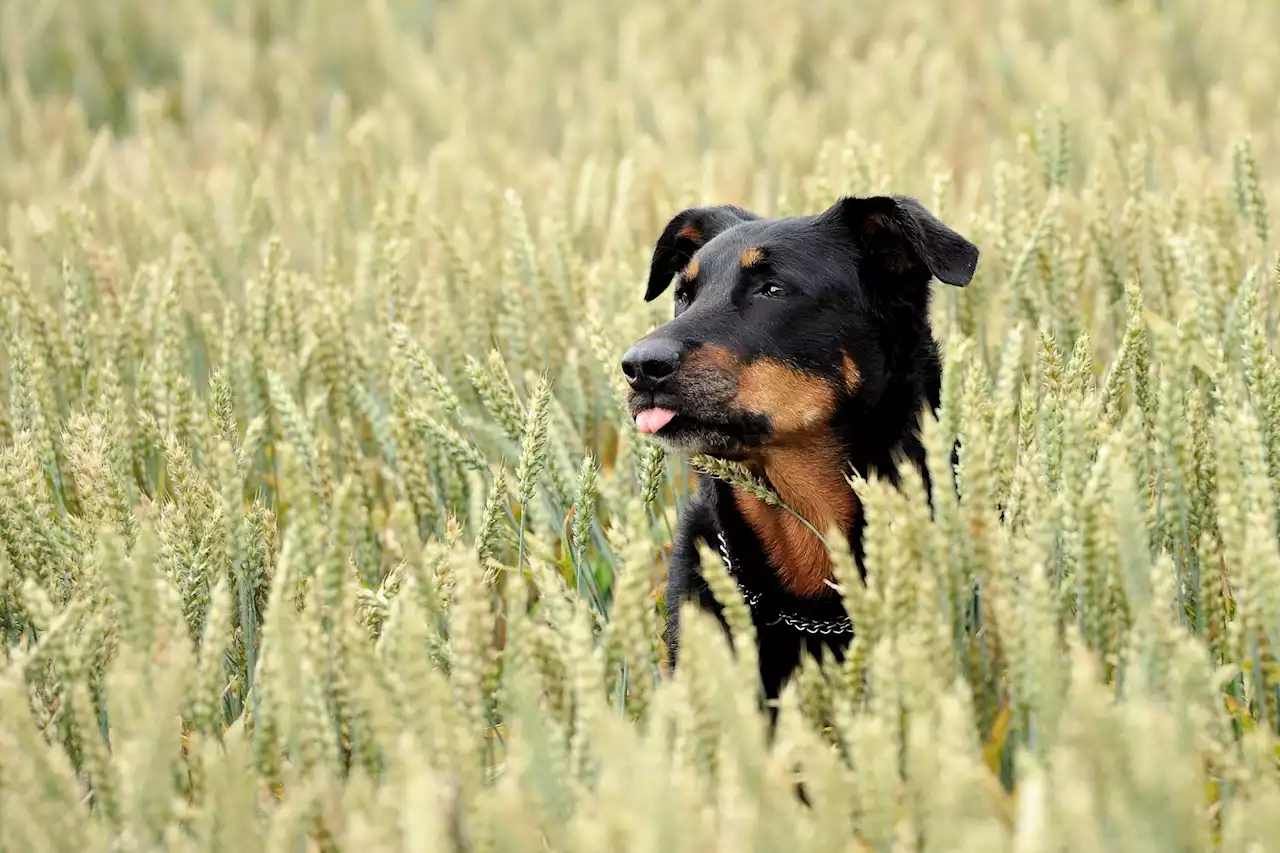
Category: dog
<point>801,347</point>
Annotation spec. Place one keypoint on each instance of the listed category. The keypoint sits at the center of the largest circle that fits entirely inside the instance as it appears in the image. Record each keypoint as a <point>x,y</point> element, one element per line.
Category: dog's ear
<point>688,231</point>
<point>900,234</point>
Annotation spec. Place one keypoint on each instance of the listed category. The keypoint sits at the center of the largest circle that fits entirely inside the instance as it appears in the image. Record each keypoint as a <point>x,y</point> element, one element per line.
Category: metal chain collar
<point>799,623</point>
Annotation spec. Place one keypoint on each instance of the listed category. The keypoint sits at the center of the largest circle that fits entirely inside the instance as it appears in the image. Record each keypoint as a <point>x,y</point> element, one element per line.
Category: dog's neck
<point>811,476</point>
<point>810,480</point>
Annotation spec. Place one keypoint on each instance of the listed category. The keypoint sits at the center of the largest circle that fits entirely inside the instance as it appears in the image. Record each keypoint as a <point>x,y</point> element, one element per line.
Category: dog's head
<point>778,322</point>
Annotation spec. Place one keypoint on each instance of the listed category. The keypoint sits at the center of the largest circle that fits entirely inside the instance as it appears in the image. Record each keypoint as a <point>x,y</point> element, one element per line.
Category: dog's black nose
<point>651,362</point>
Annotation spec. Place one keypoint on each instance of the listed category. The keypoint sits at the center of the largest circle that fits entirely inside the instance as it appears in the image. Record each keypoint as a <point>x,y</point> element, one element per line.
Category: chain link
<point>825,627</point>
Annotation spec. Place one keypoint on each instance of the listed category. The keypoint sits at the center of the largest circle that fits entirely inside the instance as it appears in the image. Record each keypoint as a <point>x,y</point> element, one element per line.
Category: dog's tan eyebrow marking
<point>750,257</point>
<point>691,270</point>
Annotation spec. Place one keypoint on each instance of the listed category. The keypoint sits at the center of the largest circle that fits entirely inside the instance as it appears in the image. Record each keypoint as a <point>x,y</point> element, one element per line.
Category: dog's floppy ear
<point>901,234</point>
<point>688,231</point>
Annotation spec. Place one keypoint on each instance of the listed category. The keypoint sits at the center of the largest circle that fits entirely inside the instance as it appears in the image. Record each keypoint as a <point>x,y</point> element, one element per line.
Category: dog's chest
<point>771,615</point>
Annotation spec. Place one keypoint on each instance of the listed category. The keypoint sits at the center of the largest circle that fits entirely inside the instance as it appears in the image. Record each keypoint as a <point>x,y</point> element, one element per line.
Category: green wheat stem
<point>735,474</point>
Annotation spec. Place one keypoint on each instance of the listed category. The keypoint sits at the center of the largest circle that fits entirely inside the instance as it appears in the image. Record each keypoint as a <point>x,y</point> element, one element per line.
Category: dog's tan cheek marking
<point>808,479</point>
<point>713,377</point>
<point>793,400</point>
<point>852,376</point>
<point>691,270</point>
<point>690,232</point>
<point>750,257</point>
<point>715,358</point>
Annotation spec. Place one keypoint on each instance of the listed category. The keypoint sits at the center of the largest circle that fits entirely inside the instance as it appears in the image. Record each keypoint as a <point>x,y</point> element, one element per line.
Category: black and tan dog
<point>801,347</point>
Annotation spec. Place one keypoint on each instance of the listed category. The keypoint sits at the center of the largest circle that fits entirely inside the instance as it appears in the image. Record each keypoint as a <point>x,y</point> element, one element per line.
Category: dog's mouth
<point>668,420</point>
<point>650,421</point>
<point>698,426</point>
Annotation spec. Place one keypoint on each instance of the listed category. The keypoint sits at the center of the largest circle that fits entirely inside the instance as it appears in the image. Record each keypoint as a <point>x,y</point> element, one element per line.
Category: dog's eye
<point>682,295</point>
<point>773,290</point>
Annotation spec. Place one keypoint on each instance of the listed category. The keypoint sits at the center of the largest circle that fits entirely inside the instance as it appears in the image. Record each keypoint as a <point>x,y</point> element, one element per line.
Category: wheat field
<point>322,527</point>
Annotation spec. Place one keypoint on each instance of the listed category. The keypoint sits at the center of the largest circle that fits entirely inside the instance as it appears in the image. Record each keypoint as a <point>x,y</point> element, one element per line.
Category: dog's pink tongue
<point>652,420</point>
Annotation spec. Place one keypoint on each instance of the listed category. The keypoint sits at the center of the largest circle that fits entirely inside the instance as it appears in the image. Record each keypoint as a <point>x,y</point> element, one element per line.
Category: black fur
<point>852,281</point>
